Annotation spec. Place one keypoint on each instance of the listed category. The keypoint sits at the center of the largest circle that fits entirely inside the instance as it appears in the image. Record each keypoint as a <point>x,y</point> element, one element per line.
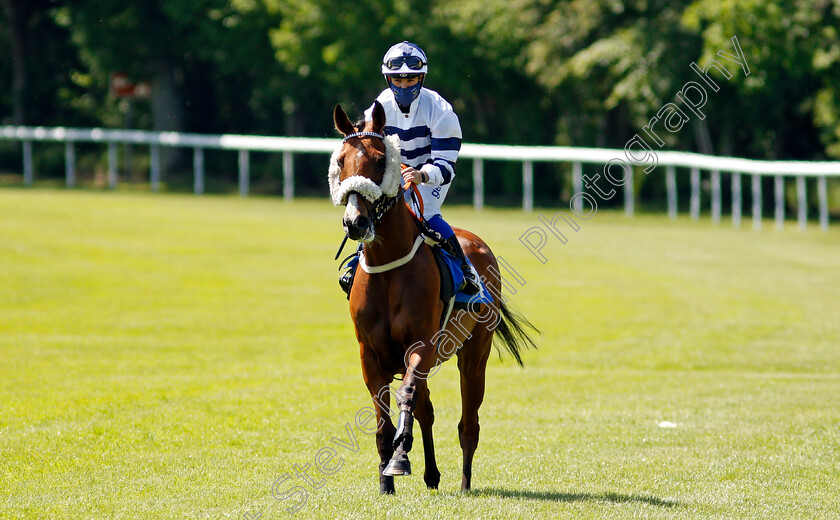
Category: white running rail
<point>781,171</point>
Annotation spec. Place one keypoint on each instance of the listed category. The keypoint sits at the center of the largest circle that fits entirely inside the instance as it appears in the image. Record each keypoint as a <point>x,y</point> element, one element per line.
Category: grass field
<point>167,356</point>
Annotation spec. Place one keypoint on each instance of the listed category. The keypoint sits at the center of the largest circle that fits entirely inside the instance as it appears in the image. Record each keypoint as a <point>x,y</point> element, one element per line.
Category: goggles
<point>412,62</point>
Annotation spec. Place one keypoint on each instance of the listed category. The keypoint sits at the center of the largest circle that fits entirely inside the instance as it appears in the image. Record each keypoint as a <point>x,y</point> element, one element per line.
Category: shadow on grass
<point>547,496</point>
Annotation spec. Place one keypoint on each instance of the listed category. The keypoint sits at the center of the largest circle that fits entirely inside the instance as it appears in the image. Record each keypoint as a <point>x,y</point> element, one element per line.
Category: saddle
<point>451,277</point>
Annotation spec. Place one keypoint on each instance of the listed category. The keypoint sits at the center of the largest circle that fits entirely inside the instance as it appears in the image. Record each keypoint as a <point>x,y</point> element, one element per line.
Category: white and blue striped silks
<point>430,139</point>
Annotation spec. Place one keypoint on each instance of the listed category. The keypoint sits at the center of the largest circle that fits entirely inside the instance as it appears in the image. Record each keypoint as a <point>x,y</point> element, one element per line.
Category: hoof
<point>399,465</point>
<point>386,486</point>
<point>432,480</point>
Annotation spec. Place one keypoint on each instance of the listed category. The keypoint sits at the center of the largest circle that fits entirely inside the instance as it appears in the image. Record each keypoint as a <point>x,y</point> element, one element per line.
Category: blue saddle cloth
<point>457,277</point>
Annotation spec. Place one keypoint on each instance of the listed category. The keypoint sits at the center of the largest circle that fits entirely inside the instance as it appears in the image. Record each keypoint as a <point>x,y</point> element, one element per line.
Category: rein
<point>418,199</point>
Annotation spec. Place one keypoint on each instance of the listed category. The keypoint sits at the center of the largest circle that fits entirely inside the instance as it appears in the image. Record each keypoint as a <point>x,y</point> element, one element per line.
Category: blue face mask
<point>406,96</point>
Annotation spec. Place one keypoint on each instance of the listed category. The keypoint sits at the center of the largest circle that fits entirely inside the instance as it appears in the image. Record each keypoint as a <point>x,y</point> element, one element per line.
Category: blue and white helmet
<point>404,60</point>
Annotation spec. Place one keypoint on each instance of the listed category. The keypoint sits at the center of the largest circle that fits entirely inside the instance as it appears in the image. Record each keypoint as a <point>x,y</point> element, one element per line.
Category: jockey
<point>430,138</point>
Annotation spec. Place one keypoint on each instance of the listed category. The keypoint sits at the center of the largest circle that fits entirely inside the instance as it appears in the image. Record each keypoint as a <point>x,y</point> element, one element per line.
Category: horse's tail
<point>513,332</point>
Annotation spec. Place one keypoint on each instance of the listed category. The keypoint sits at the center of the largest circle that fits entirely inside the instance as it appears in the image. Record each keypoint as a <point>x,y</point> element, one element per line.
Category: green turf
<point>170,356</point>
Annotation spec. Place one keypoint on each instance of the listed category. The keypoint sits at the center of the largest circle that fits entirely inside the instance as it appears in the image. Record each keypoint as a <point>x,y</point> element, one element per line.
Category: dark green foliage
<point>580,73</point>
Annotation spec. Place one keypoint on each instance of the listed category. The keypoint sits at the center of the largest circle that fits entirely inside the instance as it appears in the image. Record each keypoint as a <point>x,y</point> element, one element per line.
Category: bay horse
<point>396,307</point>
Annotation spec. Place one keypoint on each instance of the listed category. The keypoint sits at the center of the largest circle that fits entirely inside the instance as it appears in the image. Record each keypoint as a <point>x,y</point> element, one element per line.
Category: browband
<point>363,134</point>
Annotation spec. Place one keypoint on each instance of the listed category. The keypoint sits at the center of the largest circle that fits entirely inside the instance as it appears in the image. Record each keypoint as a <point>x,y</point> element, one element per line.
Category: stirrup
<point>471,285</point>
<point>345,281</point>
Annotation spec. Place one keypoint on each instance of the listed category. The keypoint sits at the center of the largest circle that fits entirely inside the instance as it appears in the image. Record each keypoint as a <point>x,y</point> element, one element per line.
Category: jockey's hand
<point>409,174</point>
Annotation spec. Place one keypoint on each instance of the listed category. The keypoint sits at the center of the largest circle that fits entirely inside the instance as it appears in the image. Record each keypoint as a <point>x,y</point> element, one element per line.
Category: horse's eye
<point>380,163</point>
<point>340,163</point>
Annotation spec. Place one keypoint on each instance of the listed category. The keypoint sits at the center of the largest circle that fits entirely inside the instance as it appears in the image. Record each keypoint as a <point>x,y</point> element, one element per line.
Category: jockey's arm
<point>446,143</point>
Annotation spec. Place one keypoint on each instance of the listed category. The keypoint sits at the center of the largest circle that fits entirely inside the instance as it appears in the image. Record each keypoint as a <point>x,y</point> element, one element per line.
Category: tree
<point>788,46</point>
<point>209,62</point>
<point>187,50</point>
<point>40,89</point>
<point>14,11</point>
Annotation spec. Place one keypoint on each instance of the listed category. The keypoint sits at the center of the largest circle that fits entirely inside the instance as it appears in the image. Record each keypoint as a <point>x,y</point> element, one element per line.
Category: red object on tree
<point>122,86</point>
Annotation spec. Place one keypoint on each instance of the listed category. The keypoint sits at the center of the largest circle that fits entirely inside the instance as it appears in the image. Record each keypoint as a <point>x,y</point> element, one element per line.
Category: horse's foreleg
<point>384,444</point>
<point>380,392</point>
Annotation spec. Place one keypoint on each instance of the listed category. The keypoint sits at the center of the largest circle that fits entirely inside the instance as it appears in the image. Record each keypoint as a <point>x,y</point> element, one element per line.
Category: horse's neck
<point>395,236</point>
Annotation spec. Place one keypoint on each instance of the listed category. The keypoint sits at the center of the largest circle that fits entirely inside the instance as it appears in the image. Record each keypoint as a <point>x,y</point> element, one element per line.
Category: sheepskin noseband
<point>339,190</point>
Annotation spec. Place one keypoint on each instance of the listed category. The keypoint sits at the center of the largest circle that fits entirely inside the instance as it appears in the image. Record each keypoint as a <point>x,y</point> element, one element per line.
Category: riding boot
<point>345,281</point>
<point>471,284</point>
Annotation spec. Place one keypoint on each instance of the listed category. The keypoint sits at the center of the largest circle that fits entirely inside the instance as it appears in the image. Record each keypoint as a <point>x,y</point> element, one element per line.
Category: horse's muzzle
<point>356,222</point>
<point>360,228</point>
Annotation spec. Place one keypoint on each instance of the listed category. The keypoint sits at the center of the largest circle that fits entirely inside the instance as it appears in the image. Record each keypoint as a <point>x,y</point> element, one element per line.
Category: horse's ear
<point>378,117</point>
<point>342,122</point>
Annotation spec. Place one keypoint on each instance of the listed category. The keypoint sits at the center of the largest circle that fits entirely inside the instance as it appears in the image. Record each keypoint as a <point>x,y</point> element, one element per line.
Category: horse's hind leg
<point>426,418</point>
<point>472,362</point>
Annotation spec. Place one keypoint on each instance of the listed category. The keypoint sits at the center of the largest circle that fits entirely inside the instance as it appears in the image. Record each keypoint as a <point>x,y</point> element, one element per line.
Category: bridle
<point>378,208</point>
<point>383,204</point>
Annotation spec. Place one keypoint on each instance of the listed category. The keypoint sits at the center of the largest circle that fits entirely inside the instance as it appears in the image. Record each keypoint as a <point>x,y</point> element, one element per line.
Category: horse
<point>396,308</point>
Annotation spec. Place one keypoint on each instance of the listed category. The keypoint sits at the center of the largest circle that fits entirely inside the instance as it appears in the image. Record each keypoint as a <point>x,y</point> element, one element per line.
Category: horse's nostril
<point>356,228</point>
